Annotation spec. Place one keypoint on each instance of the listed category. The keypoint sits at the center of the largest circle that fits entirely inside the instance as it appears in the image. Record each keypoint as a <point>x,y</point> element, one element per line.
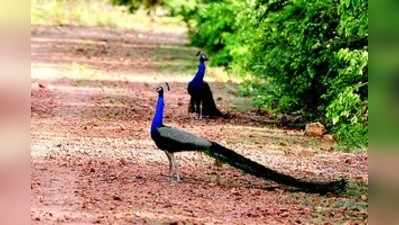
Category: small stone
<point>315,129</point>
<point>116,198</point>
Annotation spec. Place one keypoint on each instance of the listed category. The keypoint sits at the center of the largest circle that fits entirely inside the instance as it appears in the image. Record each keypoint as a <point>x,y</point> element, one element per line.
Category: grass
<point>98,13</point>
<point>357,190</point>
<point>352,205</point>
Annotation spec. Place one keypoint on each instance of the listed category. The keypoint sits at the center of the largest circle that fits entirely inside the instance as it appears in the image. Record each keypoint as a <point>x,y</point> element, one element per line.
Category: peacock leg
<point>200,108</point>
<point>176,171</point>
<point>197,107</point>
<point>169,155</point>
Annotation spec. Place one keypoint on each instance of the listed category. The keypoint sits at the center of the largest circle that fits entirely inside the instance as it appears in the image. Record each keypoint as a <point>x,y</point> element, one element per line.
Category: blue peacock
<point>201,98</point>
<point>172,140</point>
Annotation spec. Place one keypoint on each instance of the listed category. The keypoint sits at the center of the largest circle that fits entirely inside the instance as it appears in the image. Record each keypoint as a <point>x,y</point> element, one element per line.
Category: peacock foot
<point>174,179</point>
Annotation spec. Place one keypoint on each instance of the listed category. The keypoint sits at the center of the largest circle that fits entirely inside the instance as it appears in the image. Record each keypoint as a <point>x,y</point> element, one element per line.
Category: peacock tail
<point>238,161</point>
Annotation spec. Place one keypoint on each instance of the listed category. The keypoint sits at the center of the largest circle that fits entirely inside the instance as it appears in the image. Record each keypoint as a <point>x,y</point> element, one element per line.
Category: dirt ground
<point>93,161</point>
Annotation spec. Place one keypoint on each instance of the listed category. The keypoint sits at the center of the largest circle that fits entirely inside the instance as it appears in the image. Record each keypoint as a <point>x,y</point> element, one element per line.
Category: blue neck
<point>199,76</point>
<point>158,117</point>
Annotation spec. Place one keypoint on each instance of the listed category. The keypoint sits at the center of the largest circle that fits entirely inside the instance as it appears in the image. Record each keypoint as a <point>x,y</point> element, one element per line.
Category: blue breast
<point>198,80</point>
<point>157,121</point>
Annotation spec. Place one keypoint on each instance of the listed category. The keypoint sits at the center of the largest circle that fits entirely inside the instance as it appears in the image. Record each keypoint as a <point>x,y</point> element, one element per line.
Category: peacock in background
<point>201,100</point>
<point>172,140</point>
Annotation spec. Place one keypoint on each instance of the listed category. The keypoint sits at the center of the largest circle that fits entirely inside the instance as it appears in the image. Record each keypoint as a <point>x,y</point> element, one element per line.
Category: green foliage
<point>291,47</point>
<point>314,56</point>
<point>212,25</point>
<point>215,29</point>
<point>347,113</point>
<point>354,18</point>
<point>184,8</point>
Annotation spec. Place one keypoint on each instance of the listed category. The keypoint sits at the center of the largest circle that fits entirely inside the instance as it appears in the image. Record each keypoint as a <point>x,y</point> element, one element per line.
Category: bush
<point>213,27</point>
<point>313,56</point>
<point>346,114</point>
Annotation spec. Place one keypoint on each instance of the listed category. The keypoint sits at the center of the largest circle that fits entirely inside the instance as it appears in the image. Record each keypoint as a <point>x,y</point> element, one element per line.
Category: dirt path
<point>94,163</point>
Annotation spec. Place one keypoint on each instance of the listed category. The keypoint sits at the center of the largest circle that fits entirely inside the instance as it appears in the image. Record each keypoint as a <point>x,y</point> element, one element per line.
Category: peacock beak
<point>159,89</point>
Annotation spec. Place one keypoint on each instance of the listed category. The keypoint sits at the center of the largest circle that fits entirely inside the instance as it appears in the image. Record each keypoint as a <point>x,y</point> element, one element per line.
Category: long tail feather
<point>209,105</point>
<point>240,162</point>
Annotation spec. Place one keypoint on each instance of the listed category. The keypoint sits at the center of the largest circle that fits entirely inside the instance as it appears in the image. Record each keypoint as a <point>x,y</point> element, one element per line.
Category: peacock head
<point>202,56</point>
<point>160,89</point>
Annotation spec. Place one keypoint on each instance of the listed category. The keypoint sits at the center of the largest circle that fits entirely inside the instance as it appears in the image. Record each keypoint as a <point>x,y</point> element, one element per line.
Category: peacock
<point>201,100</point>
<point>172,140</point>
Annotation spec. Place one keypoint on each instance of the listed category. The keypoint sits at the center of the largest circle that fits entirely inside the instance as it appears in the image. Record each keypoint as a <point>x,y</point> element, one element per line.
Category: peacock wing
<point>184,138</point>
